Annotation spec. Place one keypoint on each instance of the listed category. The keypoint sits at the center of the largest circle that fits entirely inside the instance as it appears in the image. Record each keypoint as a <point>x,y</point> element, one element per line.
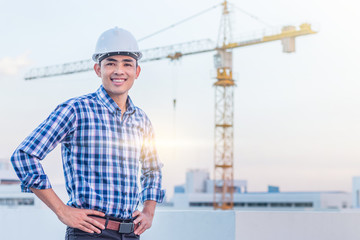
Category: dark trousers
<point>76,234</point>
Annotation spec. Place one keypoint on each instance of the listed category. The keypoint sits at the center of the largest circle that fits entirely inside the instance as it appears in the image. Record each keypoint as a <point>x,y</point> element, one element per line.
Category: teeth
<point>118,81</point>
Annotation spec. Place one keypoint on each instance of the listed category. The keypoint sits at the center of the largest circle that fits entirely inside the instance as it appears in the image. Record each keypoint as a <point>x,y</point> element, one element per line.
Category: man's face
<point>118,74</point>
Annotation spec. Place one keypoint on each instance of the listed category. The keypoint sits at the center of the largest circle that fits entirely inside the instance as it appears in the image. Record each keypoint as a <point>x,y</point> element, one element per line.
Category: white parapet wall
<point>192,225</point>
<point>297,225</point>
<point>25,223</point>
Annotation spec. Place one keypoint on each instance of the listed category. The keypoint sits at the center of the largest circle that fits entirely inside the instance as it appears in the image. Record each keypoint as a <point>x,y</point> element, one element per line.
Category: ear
<point>138,70</point>
<point>97,69</point>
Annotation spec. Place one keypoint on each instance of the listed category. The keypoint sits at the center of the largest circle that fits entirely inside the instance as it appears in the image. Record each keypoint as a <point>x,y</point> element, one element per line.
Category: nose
<point>119,70</point>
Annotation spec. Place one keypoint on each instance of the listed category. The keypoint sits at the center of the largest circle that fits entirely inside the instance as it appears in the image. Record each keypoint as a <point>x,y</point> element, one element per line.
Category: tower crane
<point>224,88</point>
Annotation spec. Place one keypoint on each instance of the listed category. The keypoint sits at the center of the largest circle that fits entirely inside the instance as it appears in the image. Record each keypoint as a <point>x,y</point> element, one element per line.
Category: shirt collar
<point>104,97</point>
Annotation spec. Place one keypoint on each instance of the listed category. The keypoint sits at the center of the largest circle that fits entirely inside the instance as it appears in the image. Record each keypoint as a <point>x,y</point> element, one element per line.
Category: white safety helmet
<point>116,41</point>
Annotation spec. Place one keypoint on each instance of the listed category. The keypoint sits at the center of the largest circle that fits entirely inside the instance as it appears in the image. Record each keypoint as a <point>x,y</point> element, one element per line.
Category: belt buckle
<point>126,227</point>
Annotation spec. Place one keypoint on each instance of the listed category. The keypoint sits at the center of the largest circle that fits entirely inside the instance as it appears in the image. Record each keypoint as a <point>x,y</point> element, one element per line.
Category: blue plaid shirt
<point>101,155</point>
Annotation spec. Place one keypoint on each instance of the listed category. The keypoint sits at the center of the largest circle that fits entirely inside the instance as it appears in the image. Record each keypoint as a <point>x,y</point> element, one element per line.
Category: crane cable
<point>251,15</point>
<point>174,83</point>
<point>175,24</point>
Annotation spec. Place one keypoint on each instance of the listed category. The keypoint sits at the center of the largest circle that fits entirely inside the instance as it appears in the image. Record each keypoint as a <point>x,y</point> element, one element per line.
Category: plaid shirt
<point>101,155</point>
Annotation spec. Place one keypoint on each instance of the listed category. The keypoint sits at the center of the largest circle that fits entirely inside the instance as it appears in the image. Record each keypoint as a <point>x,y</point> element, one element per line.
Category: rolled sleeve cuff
<point>153,194</point>
<point>35,181</point>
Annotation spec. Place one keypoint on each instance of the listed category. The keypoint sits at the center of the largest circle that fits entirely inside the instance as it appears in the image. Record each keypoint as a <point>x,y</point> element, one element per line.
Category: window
<point>304,204</point>
<point>257,204</point>
<point>281,204</point>
<point>201,204</point>
<point>17,201</point>
<point>239,204</point>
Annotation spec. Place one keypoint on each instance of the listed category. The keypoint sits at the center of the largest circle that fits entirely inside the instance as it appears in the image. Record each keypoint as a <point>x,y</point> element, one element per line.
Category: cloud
<point>12,66</point>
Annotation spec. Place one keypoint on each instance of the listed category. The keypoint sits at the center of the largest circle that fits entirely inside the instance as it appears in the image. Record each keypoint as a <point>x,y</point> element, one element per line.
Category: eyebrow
<point>123,60</point>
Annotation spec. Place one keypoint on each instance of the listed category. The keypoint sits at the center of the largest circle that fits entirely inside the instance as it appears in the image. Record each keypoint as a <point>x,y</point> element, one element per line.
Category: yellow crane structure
<point>224,89</point>
<point>224,98</point>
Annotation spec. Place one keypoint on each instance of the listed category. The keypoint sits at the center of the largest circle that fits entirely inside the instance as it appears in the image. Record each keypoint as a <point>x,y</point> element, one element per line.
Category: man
<point>105,138</point>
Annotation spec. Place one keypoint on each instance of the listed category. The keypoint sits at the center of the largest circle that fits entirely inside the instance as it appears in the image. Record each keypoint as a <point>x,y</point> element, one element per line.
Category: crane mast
<point>224,118</point>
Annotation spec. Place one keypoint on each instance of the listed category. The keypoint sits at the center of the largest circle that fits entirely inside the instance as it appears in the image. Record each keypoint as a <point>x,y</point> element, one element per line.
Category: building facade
<point>197,192</point>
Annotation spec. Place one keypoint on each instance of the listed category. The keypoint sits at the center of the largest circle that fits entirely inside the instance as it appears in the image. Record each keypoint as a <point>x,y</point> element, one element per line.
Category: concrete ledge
<point>297,225</point>
<point>192,225</point>
<point>25,223</point>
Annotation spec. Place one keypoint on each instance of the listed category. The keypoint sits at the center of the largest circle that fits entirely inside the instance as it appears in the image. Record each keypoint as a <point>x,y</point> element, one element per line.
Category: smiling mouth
<point>118,80</point>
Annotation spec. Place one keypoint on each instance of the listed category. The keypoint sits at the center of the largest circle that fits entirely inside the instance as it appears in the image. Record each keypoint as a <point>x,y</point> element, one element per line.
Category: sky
<point>296,116</point>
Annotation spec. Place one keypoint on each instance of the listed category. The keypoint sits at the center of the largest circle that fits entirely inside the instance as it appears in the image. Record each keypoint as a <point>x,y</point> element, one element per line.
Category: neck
<point>120,101</point>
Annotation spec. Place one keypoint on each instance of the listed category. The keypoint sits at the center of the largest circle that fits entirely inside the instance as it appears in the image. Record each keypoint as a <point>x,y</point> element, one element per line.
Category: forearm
<point>49,197</point>
<point>149,207</point>
<point>72,217</point>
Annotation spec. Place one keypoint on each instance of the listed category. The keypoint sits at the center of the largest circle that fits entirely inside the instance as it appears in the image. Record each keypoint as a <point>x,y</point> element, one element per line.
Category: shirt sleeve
<point>26,158</point>
<point>151,169</point>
